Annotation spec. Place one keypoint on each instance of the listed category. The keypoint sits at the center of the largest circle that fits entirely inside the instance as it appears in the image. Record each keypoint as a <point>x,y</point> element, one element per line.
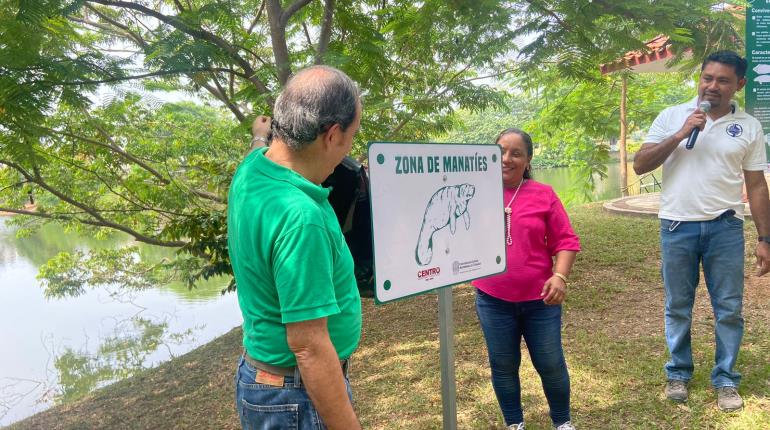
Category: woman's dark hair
<point>527,141</point>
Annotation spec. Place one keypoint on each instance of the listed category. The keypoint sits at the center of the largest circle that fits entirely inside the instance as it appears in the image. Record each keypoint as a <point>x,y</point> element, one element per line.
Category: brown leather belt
<point>285,371</point>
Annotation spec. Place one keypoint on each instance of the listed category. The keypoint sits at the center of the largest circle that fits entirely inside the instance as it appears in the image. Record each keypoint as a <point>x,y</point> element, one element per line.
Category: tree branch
<point>233,108</point>
<point>307,36</point>
<point>132,34</point>
<point>209,196</point>
<point>198,33</point>
<point>278,39</point>
<point>66,217</point>
<point>46,215</point>
<point>134,159</point>
<point>411,116</point>
<point>291,10</point>
<point>112,147</point>
<point>256,18</point>
<point>326,31</point>
<point>99,220</point>
<point>140,204</point>
<point>231,85</point>
<point>98,25</point>
<point>493,75</point>
<point>550,13</point>
<point>220,94</point>
<point>13,185</point>
<point>142,76</point>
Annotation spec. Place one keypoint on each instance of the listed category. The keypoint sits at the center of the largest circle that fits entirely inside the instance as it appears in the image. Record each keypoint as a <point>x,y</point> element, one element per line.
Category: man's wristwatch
<point>765,239</point>
<point>262,139</point>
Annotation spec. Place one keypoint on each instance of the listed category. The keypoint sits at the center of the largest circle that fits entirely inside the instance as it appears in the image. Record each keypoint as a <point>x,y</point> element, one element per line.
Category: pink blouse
<point>539,228</point>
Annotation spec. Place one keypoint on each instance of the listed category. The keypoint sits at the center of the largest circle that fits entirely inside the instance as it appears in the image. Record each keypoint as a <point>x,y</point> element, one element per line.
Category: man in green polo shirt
<point>294,272</point>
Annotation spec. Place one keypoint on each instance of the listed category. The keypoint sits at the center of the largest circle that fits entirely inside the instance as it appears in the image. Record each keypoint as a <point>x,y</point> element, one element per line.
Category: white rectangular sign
<point>437,215</point>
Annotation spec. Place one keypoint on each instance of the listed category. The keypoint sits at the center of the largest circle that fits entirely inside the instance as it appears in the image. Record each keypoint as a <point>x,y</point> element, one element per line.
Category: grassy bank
<point>613,331</point>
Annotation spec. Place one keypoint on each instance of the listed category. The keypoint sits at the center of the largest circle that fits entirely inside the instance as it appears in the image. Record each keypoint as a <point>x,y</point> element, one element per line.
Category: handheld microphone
<point>705,107</point>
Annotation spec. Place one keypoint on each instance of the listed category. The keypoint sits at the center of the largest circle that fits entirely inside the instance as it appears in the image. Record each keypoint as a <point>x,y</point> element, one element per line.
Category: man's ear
<point>333,136</point>
<point>741,83</point>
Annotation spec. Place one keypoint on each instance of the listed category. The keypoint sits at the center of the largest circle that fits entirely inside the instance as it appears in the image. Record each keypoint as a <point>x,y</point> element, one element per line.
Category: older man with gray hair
<point>294,272</point>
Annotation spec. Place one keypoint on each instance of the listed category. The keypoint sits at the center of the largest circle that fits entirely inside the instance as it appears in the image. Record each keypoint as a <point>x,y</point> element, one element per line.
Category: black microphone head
<point>704,106</point>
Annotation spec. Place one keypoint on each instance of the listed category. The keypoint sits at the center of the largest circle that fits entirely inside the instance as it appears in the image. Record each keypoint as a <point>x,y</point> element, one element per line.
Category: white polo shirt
<point>702,183</point>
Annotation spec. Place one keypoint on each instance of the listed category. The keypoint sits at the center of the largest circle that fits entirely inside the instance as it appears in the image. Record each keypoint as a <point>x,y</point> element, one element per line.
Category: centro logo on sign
<point>428,273</point>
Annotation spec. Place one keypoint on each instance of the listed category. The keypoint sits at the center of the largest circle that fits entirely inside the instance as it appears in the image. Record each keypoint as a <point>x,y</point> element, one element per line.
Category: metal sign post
<point>446,333</point>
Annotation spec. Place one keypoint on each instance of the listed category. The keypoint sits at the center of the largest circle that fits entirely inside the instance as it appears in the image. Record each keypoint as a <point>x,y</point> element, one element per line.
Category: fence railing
<point>647,183</point>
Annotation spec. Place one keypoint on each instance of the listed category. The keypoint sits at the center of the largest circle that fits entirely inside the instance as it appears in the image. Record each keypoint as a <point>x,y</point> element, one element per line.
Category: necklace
<point>508,211</point>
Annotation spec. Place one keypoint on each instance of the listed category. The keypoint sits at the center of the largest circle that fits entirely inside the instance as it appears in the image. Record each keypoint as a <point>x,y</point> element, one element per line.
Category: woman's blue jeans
<point>719,245</point>
<point>504,324</point>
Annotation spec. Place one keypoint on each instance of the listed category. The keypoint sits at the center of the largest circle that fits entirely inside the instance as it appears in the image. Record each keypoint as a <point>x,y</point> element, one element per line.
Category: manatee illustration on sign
<point>445,206</point>
<point>762,69</point>
<point>762,79</point>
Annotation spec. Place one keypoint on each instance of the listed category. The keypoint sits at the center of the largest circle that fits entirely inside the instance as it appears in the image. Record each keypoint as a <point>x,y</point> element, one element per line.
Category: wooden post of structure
<point>623,135</point>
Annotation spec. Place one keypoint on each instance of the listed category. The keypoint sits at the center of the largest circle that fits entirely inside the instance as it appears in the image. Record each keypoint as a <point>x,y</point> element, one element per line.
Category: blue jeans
<point>504,324</point>
<point>719,245</point>
<point>266,407</point>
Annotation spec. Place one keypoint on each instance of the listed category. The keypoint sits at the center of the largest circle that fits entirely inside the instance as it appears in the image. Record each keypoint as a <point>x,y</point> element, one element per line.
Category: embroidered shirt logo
<point>734,130</point>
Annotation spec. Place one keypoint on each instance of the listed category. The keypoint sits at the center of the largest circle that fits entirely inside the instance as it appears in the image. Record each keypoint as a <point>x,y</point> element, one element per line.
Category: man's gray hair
<point>313,100</point>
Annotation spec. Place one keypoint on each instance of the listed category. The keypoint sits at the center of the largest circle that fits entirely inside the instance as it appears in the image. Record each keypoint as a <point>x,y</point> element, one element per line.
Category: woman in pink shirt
<point>525,301</point>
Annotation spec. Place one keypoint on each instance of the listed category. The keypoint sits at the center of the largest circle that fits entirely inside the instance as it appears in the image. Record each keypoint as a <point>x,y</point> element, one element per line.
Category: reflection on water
<point>117,357</point>
<point>567,182</point>
<point>40,247</point>
<point>62,349</point>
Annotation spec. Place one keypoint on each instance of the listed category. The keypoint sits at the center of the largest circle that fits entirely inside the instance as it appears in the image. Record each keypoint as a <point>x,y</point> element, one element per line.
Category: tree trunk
<point>623,133</point>
<point>326,31</point>
<point>278,39</point>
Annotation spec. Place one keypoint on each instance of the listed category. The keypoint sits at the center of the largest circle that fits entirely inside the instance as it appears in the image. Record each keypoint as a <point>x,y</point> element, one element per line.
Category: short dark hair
<point>527,142</point>
<point>729,58</point>
<point>312,101</point>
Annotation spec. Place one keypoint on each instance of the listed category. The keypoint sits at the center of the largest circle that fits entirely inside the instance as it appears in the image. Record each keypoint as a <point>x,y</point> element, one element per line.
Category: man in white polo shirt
<point>701,218</point>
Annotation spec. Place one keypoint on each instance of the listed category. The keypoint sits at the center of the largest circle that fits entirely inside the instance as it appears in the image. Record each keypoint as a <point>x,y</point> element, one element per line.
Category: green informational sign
<point>758,57</point>
<point>437,215</point>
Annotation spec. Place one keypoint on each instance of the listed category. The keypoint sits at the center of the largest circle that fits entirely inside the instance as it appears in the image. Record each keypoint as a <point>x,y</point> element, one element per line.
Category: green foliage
<point>574,36</point>
<point>185,155</point>
<point>207,234</point>
<point>159,172</point>
<point>573,122</point>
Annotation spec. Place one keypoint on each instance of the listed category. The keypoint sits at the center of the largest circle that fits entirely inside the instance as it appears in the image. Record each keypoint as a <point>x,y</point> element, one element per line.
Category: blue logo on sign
<point>734,130</point>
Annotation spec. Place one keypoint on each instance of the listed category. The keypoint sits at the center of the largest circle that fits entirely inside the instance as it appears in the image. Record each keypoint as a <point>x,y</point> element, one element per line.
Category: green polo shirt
<point>290,260</point>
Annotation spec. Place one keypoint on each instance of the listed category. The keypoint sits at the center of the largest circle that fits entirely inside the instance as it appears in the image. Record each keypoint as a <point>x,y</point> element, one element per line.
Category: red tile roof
<point>658,49</point>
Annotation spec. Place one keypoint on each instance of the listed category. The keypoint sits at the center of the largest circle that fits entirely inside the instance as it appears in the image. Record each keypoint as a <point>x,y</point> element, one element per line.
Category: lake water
<point>565,179</point>
<point>55,351</point>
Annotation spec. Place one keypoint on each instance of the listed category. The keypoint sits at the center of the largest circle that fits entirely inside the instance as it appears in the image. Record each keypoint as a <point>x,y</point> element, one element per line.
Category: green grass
<point>613,338</point>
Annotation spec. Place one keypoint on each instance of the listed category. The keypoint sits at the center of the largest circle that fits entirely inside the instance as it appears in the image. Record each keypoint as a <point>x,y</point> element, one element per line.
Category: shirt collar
<point>281,173</point>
